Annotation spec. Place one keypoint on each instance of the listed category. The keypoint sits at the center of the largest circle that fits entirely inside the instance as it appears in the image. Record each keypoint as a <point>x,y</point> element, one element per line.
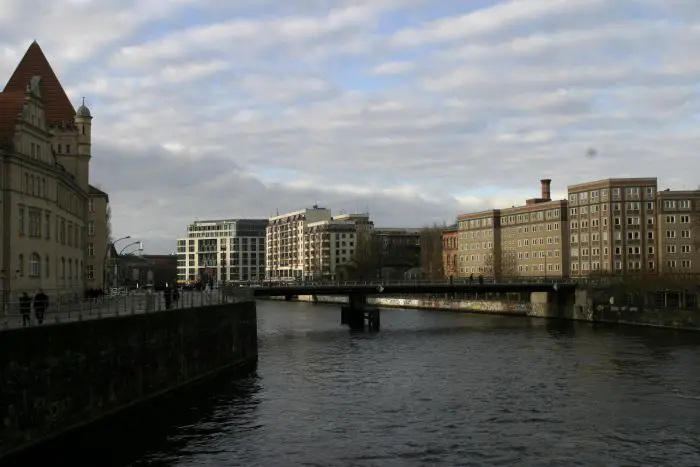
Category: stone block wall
<point>57,377</point>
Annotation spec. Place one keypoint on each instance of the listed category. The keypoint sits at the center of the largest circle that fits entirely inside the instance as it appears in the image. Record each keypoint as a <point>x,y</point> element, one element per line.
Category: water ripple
<point>434,389</point>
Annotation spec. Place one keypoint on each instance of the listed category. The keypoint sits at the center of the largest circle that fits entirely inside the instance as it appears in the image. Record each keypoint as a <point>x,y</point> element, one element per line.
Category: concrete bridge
<point>543,293</point>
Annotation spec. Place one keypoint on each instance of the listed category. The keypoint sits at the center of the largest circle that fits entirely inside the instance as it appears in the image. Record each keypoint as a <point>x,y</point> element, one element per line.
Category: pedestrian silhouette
<point>25,308</point>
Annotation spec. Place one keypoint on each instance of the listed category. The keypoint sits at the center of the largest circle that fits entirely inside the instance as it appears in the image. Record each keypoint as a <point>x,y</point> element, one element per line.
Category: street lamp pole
<point>110,245</point>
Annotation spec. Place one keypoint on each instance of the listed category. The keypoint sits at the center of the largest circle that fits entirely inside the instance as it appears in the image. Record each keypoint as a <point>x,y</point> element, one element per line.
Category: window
<point>47,225</point>
<point>20,220</point>
<point>91,249</point>
<point>685,263</point>
<point>684,204</point>
<point>46,266</point>
<point>686,249</point>
<point>34,265</point>
<point>67,148</point>
<point>20,265</point>
<point>685,219</point>
<point>91,228</point>
<point>34,223</point>
<point>90,271</point>
<point>91,204</point>
<point>670,219</point>
<point>670,234</point>
<point>670,248</point>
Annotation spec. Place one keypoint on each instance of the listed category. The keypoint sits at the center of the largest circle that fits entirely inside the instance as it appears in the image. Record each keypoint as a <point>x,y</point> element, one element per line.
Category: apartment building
<point>534,237</point>
<point>527,240</point>
<point>285,255</point>
<point>678,226</point>
<point>612,226</point>
<point>312,244</point>
<point>226,250</point>
<point>450,265</point>
<point>50,238</point>
<point>479,243</point>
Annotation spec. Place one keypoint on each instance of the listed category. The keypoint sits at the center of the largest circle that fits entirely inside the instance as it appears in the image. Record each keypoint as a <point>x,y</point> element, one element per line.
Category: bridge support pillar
<point>356,313</point>
<point>554,304</point>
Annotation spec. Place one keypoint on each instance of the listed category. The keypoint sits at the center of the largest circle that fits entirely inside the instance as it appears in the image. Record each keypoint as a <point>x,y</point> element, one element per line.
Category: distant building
<point>311,244</point>
<point>450,238</point>
<point>225,250</point>
<point>613,226</point>
<point>528,240</point>
<point>147,271</point>
<point>678,227</point>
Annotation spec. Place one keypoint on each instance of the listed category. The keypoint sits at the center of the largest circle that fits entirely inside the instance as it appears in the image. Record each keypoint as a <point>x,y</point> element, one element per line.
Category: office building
<point>613,226</point>
<point>227,250</point>
<point>678,226</point>
<point>528,240</point>
<point>54,231</point>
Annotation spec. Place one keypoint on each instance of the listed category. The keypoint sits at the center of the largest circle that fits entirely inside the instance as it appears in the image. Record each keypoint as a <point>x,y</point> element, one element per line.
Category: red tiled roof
<point>10,108</point>
<point>56,103</point>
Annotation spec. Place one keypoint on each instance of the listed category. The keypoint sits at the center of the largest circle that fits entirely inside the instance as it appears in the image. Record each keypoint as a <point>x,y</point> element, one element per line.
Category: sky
<point>413,110</point>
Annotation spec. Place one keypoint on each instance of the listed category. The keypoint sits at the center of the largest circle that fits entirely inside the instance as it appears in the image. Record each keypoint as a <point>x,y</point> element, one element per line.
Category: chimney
<point>546,193</point>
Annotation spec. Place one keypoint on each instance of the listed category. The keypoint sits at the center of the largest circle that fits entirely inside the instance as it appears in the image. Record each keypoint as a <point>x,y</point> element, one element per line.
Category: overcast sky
<point>414,109</point>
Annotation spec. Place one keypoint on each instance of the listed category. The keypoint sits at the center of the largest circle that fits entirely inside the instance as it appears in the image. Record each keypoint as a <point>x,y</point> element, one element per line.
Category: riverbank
<point>582,310</point>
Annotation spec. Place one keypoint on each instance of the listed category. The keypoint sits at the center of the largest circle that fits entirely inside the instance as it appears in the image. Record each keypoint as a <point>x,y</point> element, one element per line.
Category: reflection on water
<point>438,389</point>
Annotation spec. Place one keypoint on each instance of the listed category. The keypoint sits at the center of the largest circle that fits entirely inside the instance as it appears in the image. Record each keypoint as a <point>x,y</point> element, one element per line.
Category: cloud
<point>415,110</point>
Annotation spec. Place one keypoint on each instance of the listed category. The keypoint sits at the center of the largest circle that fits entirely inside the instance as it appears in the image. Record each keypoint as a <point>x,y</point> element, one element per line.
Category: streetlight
<point>104,262</point>
<point>129,245</point>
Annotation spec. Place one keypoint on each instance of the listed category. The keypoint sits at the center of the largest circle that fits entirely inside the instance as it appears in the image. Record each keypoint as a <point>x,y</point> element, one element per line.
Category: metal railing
<point>134,303</point>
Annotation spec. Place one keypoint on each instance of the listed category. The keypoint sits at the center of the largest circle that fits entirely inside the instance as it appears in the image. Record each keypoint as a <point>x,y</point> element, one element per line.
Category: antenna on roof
<point>83,100</point>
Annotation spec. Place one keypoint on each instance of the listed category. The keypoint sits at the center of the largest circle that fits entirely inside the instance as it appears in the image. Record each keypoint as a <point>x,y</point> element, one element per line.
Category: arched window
<point>34,265</point>
<point>46,266</point>
<point>20,265</point>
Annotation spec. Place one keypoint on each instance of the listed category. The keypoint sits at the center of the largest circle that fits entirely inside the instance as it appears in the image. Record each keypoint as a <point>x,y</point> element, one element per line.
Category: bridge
<point>357,312</point>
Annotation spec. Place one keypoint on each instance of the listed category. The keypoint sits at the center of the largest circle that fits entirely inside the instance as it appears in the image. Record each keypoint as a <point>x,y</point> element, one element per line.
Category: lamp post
<point>104,262</point>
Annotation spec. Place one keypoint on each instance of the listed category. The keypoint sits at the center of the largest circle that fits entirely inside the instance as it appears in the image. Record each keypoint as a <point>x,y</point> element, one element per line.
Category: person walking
<point>41,303</point>
<point>25,308</point>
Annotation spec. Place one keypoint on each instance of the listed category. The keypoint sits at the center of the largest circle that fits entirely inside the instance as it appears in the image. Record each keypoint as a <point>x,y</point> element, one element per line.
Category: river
<point>434,389</point>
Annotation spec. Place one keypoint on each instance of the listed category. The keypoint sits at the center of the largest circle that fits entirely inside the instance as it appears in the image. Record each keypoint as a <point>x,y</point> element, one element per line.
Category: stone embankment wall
<point>578,307</point>
<point>54,378</point>
<point>474,306</point>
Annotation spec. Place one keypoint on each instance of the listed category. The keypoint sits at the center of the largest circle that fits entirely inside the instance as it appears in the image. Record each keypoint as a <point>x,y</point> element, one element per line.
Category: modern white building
<point>227,250</point>
<point>311,244</point>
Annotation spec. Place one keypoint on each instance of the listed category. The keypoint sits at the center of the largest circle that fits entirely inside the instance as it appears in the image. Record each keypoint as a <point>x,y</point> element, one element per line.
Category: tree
<point>506,267</point>
<point>108,225</point>
<point>366,259</point>
<point>431,252</point>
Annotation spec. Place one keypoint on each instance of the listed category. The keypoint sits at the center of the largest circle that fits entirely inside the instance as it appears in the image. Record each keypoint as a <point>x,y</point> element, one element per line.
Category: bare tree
<point>506,267</point>
<point>431,252</point>
<point>365,263</point>
<point>509,265</point>
<point>108,225</point>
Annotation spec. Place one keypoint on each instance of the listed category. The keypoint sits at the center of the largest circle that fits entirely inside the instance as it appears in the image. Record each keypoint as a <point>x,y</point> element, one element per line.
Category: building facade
<point>311,244</point>
<point>613,227</point>
<point>529,240</point>
<point>285,252</point>
<point>450,237</point>
<point>678,224</point>
<point>45,152</point>
<point>228,250</point>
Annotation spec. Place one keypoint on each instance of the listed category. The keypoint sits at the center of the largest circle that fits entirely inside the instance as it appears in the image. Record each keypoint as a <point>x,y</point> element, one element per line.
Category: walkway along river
<point>433,389</point>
